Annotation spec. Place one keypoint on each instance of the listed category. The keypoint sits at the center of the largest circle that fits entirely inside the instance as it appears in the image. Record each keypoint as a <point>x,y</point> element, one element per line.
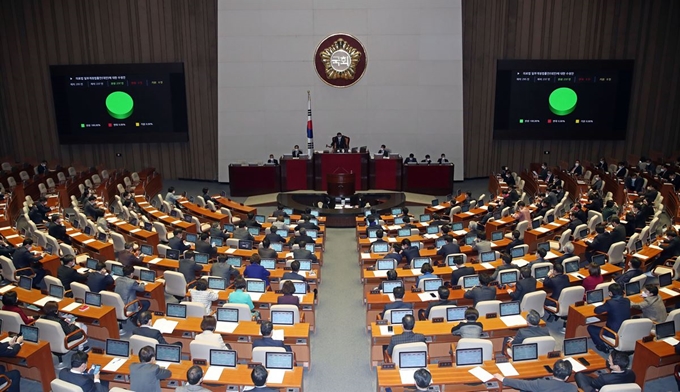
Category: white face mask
<point>644,295</point>
<point>576,164</point>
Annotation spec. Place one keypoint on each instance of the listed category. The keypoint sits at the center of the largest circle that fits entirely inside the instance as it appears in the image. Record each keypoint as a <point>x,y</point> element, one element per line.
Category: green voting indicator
<point>119,105</point>
<point>562,101</point>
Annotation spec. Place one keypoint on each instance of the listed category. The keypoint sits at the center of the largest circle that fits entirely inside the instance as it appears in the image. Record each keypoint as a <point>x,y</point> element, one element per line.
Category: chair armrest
<point>76,342</point>
<point>190,283</point>
<point>23,269</point>
<point>616,337</point>
<point>551,299</point>
<point>378,316</point>
<point>6,381</point>
<point>302,317</point>
<point>125,309</point>
<point>386,357</point>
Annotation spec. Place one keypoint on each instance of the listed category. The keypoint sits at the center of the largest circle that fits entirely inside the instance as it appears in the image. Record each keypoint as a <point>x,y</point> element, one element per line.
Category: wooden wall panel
<point>37,33</point>
<point>646,31</point>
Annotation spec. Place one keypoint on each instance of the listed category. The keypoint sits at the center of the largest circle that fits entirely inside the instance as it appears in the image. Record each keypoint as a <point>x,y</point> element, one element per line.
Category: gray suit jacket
<point>530,332</point>
<point>146,377</point>
<point>191,388</point>
<point>405,337</point>
<point>304,254</point>
<point>127,289</point>
<point>539,385</point>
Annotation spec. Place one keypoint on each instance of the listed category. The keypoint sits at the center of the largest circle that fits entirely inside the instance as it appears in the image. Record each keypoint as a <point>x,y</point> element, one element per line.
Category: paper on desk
<point>114,364</point>
<point>668,291</point>
<point>514,321</point>
<point>372,240</point>
<point>483,208</point>
<point>380,273</point>
<point>438,208</point>
<point>481,374</point>
<point>639,256</point>
<point>507,369</point>
<point>670,340</point>
<point>550,256</point>
<point>554,224</point>
<point>135,230</point>
<point>71,307</point>
<point>7,288</point>
<point>655,247</point>
<point>391,239</point>
<point>384,331</point>
<point>431,236</point>
<point>153,211</point>
<point>576,366</point>
<point>176,222</point>
<point>596,304</point>
<point>542,229</point>
<point>88,241</point>
<point>255,296</point>
<point>416,272</point>
<point>9,237</point>
<point>391,297</point>
<point>563,220</point>
<point>577,275</point>
<point>393,227</point>
<point>119,223</point>
<point>487,266</point>
<point>591,320</point>
<point>7,339</point>
<point>5,228</point>
<point>163,217</point>
<point>275,376</point>
<point>365,255</point>
<point>164,325</point>
<point>163,364</point>
<point>214,373</point>
<point>232,250</point>
<point>427,297</point>
<point>407,375</point>
<point>520,262</point>
<point>459,232</point>
<point>155,261</point>
<point>277,334</point>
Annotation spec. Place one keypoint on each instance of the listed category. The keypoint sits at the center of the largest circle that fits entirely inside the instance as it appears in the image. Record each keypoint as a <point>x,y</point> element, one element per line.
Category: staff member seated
<point>619,374</point>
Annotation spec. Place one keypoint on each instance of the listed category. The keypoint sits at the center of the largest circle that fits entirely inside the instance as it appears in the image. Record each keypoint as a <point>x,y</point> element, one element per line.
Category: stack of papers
<point>135,230</point>
<point>365,255</point>
<point>275,376</point>
<point>71,307</point>
<point>225,327</point>
<point>438,208</point>
<point>380,273</point>
<point>639,256</point>
<point>407,375</point>
<point>668,291</point>
<point>255,296</point>
<point>655,247</point>
<point>7,288</point>
<point>520,262</point>
<point>384,331</point>
<point>164,325</point>
<point>507,369</point>
<point>563,220</point>
<point>9,237</point>
<point>88,241</point>
<point>155,261</point>
<point>416,272</point>
<point>232,250</point>
<point>481,374</point>
<point>575,365</point>
<point>42,301</point>
<point>542,229</point>
<point>393,227</point>
<point>670,340</point>
<point>577,275</point>
<point>391,239</point>
<point>550,256</point>
<point>428,297</point>
<point>213,373</point>
<point>513,321</point>
<point>487,266</point>
<point>114,364</point>
<point>177,222</point>
<point>591,320</point>
<point>277,334</point>
<point>459,232</point>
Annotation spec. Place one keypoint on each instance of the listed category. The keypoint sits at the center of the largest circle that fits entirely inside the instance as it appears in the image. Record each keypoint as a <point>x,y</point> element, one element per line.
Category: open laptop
<point>665,280</point>
<point>288,211</point>
<point>412,360</point>
<point>148,226</point>
<point>398,314</point>
<point>399,220</point>
<point>390,285</point>
<point>583,233</point>
<point>25,283</point>
<point>380,247</point>
<point>517,252</point>
<point>260,218</point>
<point>174,213</point>
<point>282,232</point>
<point>255,286</point>
<point>228,228</point>
<point>313,233</point>
<point>146,250</point>
<point>269,264</point>
<point>432,284</point>
<point>216,242</point>
<point>245,244</point>
<point>418,262</point>
<point>455,313</point>
<point>632,288</point>
<point>541,272</point>
<point>305,264</point>
<point>227,315</point>
<point>394,211</point>
<point>543,245</point>
<point>404,232</point>
<point>599,259</point>
<point>310,247</point>
<point>507,277</point>
<point>48,249</point>
<point>91,263</point>
<point>665,330</point>
<point>147,276</point>
<point>234,261</point>
<point>465,208</point>
<point>424,217</point>
<point>172,254</point>
<point>509,308</point>
<point>191,237</point>
<point>469,356</point>
<point>168,353</point>
<point>101,237</point>
<point>524,352</point>
<point>497,235</point>
<point>595,296</point>
<point>535,224</point>
<point>254,231</point>
<point>637,245</point>
<point>188,218</point>
<point>118,348</point>
<point>176,310</point>
<point>30,334</point>
<point>87,230</point>
<point>282,317</point>
<point>439,243</point>
<point>217,283</point>
<point>571,266</point>
<point>432,229</point>
<point>372,232</point>
<point>551,218</point>
<point>282,361</point>
<point>487,257</point>
<point>575,346</point>
<point>116,270</point>
<point>201,258</point>
<point>300,287</point>
<point>417,244</point>
<point>470,240</point>
<point>93,299</point>
<point>457,226</point>
<point>224,358</point>
<point>470,281</point>
<point>276,246</point>
<point>56,291</point>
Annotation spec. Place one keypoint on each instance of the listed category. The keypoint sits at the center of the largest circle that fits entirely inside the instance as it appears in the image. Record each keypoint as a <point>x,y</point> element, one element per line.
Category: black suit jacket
<point>513,244</point>
<point>205,247</point>
<point>618,311</point>
<point>339,144</point>
<point>178,244</point>
<point>24,258</point>
<point>269,342</point>
<point>574,224</point>
<point>670,249</point>
<point>618,234</point>
<point>556,284</point>
<point>68,275</point>
<point>150,333</point>
<point>448,249</point>
<point>462,271</point>
<point>526,285</point>
<point>296,153</point>
<point>84,381</point>
<point>58,232</point>
<point>481,293</point>
<point>627,376</point>
<point>601,243</point>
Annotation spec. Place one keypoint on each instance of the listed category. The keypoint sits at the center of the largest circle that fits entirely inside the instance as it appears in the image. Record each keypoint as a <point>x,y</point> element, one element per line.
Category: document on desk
<point>42,301</point>
<point>671,340</point>
<point>431,236</point>
<point>488,266</point>
<point>655,247</point>
<point>639,256</point>
<point>577,275</point>
<point>668,291</point>
<point>550,256</point>
<point>275,376</point>
<point>416,271</point>
<point>71,307</point>
<point>437,208</point>
<point>114,364</point>
<point>365,255</point>
<point>542,229</point>
<point>481,374</point>
<point>9,237</point>
<point>554,224</point>
<point>391,239</point>
<point>163,364</point>
<point>135,230</point>
<point>427,297</point>
<point>5,228</point>
<point>393,227</point>
<point>514,321</point>
<point>7,288</point>
<point>507,369</point>
<point>278,334</point>
<point>520,262</point>
<point>164,325</point>
<point>380,274</point>
<point>177,222</point>
<point>384,331</point>
<point>372,240</point>
<point>225,327</point>
<point>563,220</point>
<point>407,375</point>
<point>255,296</point>
<point>163,217</point>
<point>88,241</point>
<point>459,232</point>
<point>591,320</point>
<point>231,251</point>
<point>213,373</point>
<point>575,365</point>
<point>155,261</point>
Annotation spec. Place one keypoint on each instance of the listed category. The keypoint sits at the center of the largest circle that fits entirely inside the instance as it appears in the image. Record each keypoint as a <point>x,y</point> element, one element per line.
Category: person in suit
<point>437,220</point>
<point>9,350</point>
<point>223,270</point>
<point>594,202</point>
<point>67,274</point>
<point>294,272</point>
<point>266,329</point>
<point>508,178</point>
<point>602,165</point>
<point>556,282</point>
<point>618,374</point>
<point>203,246</point>
<point>558,383</point>
<point>461,271</point>
<point>652,305</point>
<point>525,285</point>
<point>621,170</point>
<point>177,241</point>
<point>634,183</point>
<point>302,237</point>
<point>630,223</point>
<point>449,248</point>
<point>608,210</point>
<point>481,245</point>
<point>410,159</point>
<point>594,277</point>
<point>533,329</point>
<point>442,159</point>
<point>205,194</point>
<point>78,375</point>
<point>251,221</point>
<point>515,241</point>
<point>651,194</point>
<point>549,177</point>
<point>23,258</point>
<point>408,322</point>
<point>427,159</point>
<point>255,270</point>
<point>423,379</point>
<point>567,252</point>
<point>171,197</point>
<point>10,303</point>
<point>470,327</point>
<point>617,309</point>
<point>100,279</point>
<point>91,209</point>
<point>579,213</point>
<point>543,173</point>
<point>507,264</point>
<point>303,254</point>
<point>272,160</point>
<point>577,169</point>
<point>426,271</point>
<point>398,301</point>
<point>383,151</point>
<point>674,179</point>
<point>671,248</point>
<point>259,378</point>
<point>443,293</point>
<point>339,142</point>
<point>6,249</point>
<point>482,292</point>
<point>542,210</point>
<point>42,168</point>
<point>408,251</point>
<point>194,380</point>
<point>145,329</point>
<point>274,237</point>
<point>57,230</point>
<point>241,233</point>
<point>68,325</point>
<point>280,224</point>
<point>130,255</point>
<point>288,291</point>
<point>575,222</point>
<point>145,375</point>
<point>618,234</point>
<point>189,267</point>
<point>633,271</point>
<point>266,252</point>
<point>601,242</point>
<point>127,287</point>
<point>296,151</point>
<point>395,253</point>
<point>489,214</point>
<point>38,213</point>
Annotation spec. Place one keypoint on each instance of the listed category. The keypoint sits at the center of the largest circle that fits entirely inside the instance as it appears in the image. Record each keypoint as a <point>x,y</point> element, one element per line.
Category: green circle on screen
<point>562,101</point>
<point>119,105</point>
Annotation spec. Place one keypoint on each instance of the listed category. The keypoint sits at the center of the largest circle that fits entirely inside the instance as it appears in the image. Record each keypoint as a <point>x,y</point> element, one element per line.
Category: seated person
<point>617,309</point>
<point>423,379</point>
<point>242,233</point>
<point>398,302</point>
<point>239,296</point>
<point>24,258</point>
<point>427,159</point>
<point>427,273</point>
<point>408,251</point>
<point>259,378</point>
<point>555,282</point>
<point>395,253</point>
<point>145,329</point>
<point>408,322</point>
<point>194,380</point>
<point>100,279</point>
<point>130,255</point>
<point>652,305</point>
<point>57,230</point>
<point>533,329</point>
<point>470,327</point>
<point>177,241</point>
<point>296,151</point>
<point>462,270</point>
<point>391,277</point>
<point>449,248</point>
<point>442,159</point>
<point>633,271</point>
<point>79,376</point>
<point>10,303</point>
<point>145,375</point>
<point>288,297</point>
<point>619,374</point>
<point>68,325</point>
<point>507,264</point>
<point>224,270</point>
<point>561,373</point>
<point>526,284</point>
<point>304,254</point>
<point>272,160</point>
<point>200,294</point>
<point>266,329</point>
<point>443,293</point>
<point>255,270</point>
<point>594,278</point>
<point>208,326</point>
<point>266,252</point>
<point>251,221</point>
<point>294,273</point>
<point>410,159</point>
<point>516,241</point>
<point>482,292</point>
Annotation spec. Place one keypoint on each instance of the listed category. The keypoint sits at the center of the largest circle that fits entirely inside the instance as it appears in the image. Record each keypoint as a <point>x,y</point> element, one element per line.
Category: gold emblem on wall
<point>340,60</point>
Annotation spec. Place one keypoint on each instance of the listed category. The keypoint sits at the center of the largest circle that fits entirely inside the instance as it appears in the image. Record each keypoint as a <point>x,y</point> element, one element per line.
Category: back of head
<point>288,288</point>
<point>443,292</point>
<point>533,318</point>
<point>209,323</point>
<point>620,359</point>
<point>398,292</point>
<point>67,259</point>
<point>562,369</point>
<point>201,285</point>
<point>599,228</point>
<point>615,289</point>
<point>295,266</point>
<point>78,359</point>
<point>51,308</point>
<point>145,317</point>
<point>423,378</point>
<point>471,314</point>
<point>10,298</point>
<point>409,322</point>
<point>516,234</point>
<point>506,257</point>
<point>392,275</point>
<point>204,236</point>
<point>558,268</point>
<point>405,242</point>
<point>128,270</point>
<point>146,354</point>
<point>542,252</point>
<point>255,259</point>
<point>568,248</point>
<point>594,269</point>
<point>266,328</point>
<point>266,243</point>
<point>484,279</point>
<point>427,268</point>
<point>259,375</point>
<point>525,271</point>
<point>194,375</point>
<point>240,283</point>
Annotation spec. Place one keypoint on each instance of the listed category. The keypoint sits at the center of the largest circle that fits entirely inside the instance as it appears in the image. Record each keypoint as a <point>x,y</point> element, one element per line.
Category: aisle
<point>340,320</point>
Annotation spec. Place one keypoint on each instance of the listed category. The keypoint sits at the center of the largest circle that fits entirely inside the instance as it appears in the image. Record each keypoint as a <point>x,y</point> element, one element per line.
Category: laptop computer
<point>314,213</point>
<point>404,232</point>
<point>255,286</point>
<point>25,282</point>
<point>541,272</point>
<point>417,245</point>
<point>488,257</point>
<point>172,254</point>
<point>116,270</point>
<point>535,224</point>
<point>101,237</point>
<point>309,247</point>
<point>571,266</point>
<point>470,239</point>
<point>583,233</point>
<point>637,245</point>
<point>599,259</point>
<point>470,281</point>
<point>575,346</point>
<point>455,313</point>
<point>93,299</point>
<point>418,262</point>
<point>174,213</point>
<point>188,218</point>
<point>75,223</point>
<point>380,247</point>
<point>394,211</point>
<point>282,317</point>
<point>176,310</point>
<point>412,359</point>
<point>282,232</point>
<point>594,296</point>
<point>665,330</point>
<point>507,277</point>
<point>469,356</point>
<point>30,334</point>
<point>632,288</point>
<point>87,230</point>
<point>283,361</point>
<point>452,260</point>
<point>432,229</point>
<point>517,252</point>
<point>524,352</point>
<point>217,283</point>
<point>390,285</point>
<point>254,231</point>
<point>147,276</point>
<point>457,226</point>
<point>191,237</point>
<point>146,250</point>
<point>432,284</point>
<point>118,348</point>
<point>269,264</point>
<point>435,202</point>
<point>224,358</point>
<point>91,263</point>
<point>260,218</point>
<point>425,217</point>
<point>228,227</point>
<point>385,264</point>
<point>398,314</point>
<point>300,287</point>
<point>288,211</point>
<point>665,280</point>
<point>509,308</point>
<point>217,241</point>
<point>245,244</point>
<point>48,249</point>
<point>399,220</point>
<point>223,193</point>
<point>439,243</point>
<point>551,218</point>
<point>234,261</point>
<point>372,232</point>
<point>227,315</point>
<point>305,264</point>
<point>56,291</point>
<point>168,353</point>
<point>201,258</point>
<point>543,245</point>
<point>497,235</point>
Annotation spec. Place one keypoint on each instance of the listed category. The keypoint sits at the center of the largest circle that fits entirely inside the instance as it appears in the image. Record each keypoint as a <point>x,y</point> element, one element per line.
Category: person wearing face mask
<point>42,169</point>
<point>617,309</point>
<point>543,174</point>
<point>57,230</point>
<point>577,170</point>
<point>602,165</point>
<point>296,151</point>
<point>621,171</point>
<point>272,160</point>
<point>618,374</point>
<point>23,258</point>
<point>652,305</point>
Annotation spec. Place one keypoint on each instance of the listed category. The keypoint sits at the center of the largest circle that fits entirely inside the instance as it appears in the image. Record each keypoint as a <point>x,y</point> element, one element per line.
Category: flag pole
<point>310,131</point>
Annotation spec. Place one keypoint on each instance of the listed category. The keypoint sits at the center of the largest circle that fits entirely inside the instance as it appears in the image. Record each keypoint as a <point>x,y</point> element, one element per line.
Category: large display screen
<point>120,103</point>
<point>562,99</point>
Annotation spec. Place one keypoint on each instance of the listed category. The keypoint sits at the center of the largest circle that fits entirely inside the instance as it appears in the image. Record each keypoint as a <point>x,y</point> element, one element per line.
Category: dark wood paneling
<point>37,33</point>
<point>646,31</point>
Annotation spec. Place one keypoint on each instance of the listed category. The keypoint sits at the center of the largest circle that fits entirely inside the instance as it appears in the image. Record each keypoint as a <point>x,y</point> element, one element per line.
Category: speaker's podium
<point>340,184</point>
<point>296,173</point>
<point>355,163</point>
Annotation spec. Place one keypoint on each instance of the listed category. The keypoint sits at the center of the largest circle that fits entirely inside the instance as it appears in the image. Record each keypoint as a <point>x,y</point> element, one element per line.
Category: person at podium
<point>296,151</point>
<point>442,159</point>
<point>340,142</point>
<point>427,159</point>
<point>383,151</point>
<point>272,160</point>
<point>410,159</point>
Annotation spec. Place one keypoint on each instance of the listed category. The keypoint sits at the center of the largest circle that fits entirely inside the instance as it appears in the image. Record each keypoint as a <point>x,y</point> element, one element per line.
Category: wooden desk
<point>133,233</point>
<point>296,174</point>
<point>386,173</point>
<point>34,361</point>
<point>496,186</point>
<point>99,250</point>
<point>204,214</point>
<point>503,224</point>
<point>433,179</point>
<point>49,262</point>
<point>544,233</point>
<point>653,360</point>
<point>254,179</point>
<point>161,217</point>
<point>237,209</point>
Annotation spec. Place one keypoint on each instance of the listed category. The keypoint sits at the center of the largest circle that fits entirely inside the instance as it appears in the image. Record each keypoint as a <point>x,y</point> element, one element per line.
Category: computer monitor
<point>176,310</point>
<point>269,264</point>
<point>282,317</point>
<point>404,233</point>
<point>457,226</point>
<point>56,291</point>
<point>638,245</point>
<point>174,213</point>
<point>255,286</point>
<point>470,239</point>
<point>254,231</point>
<point>227,315</point>
<point>432,229</point>
<point>25,282</point>
<point>148,226</point>
<point>583,233</point>
<point>217,283</point>
<point>599,259</point>
<point>535,224</point>
<point>439,243</point>
<point>398,314</point>
<point>455,313</point>
<point>665,279</point>
<point>286,220</point>
<point>425,217</point>
<point>497,235</point>
<point>594,296</point>
<point>380,247</point>
<point>541,272</point>
<point>368,212</point>
<point>385,264</point>
<point>168,353</point>
<point>372,232</point>
<point>517,251</point>
<point>48,249</point>
<point>93,299</point>
<point>509,308</point>
<point>551,218</point>
<point>432,284</point>
<point>276,360</point>
<point>665,330</point>
<point>191,237</point>
<point>435,202</point>
<point>390,285</point>
<point>412,359</point>
<point>465,208</point>
<point>75,223</point>
<point>245,244</point>
<point>146,250</point>
<point>508,277</point>
<point>394,211</point>
<point>91,263</point>
<point>314,213</point>
<point>30,334</point>
<point>488,257</point>
<point>469,356</point>
<point>310,247</point>
<point>417,245</point>
<point>224,358</point>
<point>116,270</point>
<point>87,230</point>
<point>228,227</point>
<point>101,236</point>
<point>188,218</point>
<point>288,211</point>
<point>305,264</point>
<point>575,346</point>
<point>399,220</point>
<point>470,281</point>
<point>217,241</point>
<point>118,348</point>
<point>147,276</point>
<point>452,260</point>
<point>571,266</point>
<point>524,352</point>
<point>418,262</point>
<point>260,218</point>
<point>632,288</point>
<point>543,245</point>
<point>282,232</point>
<point>172,254</point>
<point>300,287</point>
<point>234,261</point>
